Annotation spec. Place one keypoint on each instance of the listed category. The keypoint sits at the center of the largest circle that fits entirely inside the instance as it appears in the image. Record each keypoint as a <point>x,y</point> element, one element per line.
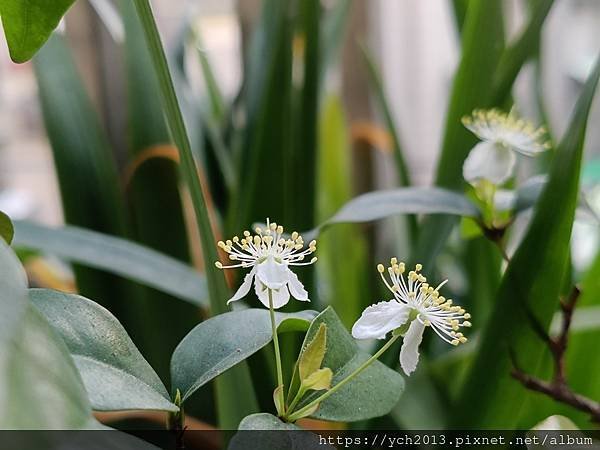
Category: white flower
<point>415,306</point>
<point>502,135</point>
<point>269,255</point>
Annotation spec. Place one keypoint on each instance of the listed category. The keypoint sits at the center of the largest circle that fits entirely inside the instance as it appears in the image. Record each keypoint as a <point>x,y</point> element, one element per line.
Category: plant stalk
<point>217,286</point>
<point>231,409</point>
<point>276,345</point>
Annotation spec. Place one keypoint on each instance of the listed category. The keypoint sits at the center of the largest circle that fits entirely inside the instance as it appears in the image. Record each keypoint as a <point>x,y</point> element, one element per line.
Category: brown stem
<point>558,389</point>
<point>559,344</point>
<point>559,392</point>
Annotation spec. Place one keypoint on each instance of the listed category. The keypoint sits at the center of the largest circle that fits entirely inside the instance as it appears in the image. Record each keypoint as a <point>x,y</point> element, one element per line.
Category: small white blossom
<point>415,306</point>
<point>270,256</point>
<point>502,136</point>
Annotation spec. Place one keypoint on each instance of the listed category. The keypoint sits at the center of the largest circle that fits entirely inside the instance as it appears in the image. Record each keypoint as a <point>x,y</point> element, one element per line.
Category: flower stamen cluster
<point>255,249</point>
<point>269,254</point>
<point>507,129</point>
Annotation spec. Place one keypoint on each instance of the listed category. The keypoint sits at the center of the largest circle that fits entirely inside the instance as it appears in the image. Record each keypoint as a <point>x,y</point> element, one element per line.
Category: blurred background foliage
<point>293,107</point>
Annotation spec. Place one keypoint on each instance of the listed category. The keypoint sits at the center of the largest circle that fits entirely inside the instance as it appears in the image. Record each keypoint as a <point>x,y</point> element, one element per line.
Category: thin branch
<point>558,389</point>
<point>561,393</point>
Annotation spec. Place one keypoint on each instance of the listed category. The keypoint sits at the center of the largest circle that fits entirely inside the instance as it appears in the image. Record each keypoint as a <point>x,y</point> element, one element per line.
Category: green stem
<point>276,344</point>
<point>217,287</point>
<point>297,398</point>
<point>300,413</point>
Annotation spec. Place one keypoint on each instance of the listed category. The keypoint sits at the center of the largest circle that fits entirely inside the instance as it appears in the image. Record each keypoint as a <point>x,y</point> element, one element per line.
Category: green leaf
<point>217,103</point>
<point>218,291</point>
<point>372,393</point>
<point>6,228</point>
<point>115,374</point>
<point>153,191</point>
<point>293,438</point>
<point>312,356</point>
<point>318,380</point>
<point>264,421</point>
<point>39,385</point>
<point>460,12</point>
<point>13,297</point>
<point>223,341</point>
<point>267,142</point>
<point>415,200</point>
<point>301,162</point>
<point>231,407</point>
<point>117,256</point>
<point>278,399</point>
<point>28,24</point>
<point>528,291</point>
<point>524,48</point>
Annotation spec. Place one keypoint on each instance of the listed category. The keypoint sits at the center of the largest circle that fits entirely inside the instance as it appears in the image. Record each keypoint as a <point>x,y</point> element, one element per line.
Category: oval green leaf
<point>115,255</point>
<point>275,434</point>
<point>28,24</point>
<point>39,385</point>
<point>223,341</point>
<point>115,374</point>
<point>373,393</point>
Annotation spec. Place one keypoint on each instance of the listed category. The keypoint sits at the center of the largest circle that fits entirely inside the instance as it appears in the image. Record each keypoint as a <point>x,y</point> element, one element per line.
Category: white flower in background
<point>415,306</point>
<point>269,255</point>
<point>502,135</point>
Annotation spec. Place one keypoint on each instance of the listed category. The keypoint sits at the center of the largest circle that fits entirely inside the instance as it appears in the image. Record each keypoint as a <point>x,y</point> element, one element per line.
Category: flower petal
<point>377,320</point>
<point>261,292</point>
<point>409,353</point>
<point>271,273</point>
<point>296,287</point>
<point>244,287</point>
<point>280,296</point>
<point>489,161</point>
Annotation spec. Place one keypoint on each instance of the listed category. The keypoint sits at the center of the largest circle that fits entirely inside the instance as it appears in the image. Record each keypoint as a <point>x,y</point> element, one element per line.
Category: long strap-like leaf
<point>234,390</point>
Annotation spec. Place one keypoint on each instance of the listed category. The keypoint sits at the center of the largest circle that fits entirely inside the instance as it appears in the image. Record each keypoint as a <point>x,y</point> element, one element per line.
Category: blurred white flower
<point>502,135</point>
<point>415,306</point>
<point>269,255</point>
